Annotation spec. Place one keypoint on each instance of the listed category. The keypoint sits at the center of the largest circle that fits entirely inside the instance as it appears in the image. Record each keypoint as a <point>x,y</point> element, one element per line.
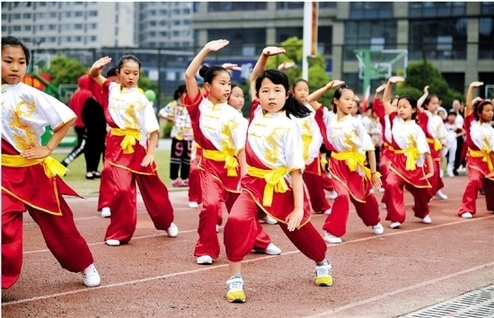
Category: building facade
<point>458,37</point>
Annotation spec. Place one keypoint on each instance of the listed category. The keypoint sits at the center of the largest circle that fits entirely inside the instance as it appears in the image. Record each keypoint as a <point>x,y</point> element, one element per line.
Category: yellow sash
<point>324,161</point>
<point>354,159</point>
<point>231,162</point>
<point>131,136</point>
<point>412,155</point>
<point>275,182</point>
<point>437,144</point>
<point>485,155</point>
<point>51,165</point>
<point>306,139</point>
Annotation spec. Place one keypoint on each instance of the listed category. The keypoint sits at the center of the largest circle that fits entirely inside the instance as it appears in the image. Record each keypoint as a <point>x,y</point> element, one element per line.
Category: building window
<point>435,9</point>
<point>176,11</point>
<point>152,23</point>
<point>152,12</point>
<point>197,6</point>
<point>52,27</point>
<point>53,15</point>
<point>163,33</point>
<point>152,34</point>
<point>445,39</point>
<point>486,39</point>
<point>77,38</point>
<point>236,6</point>
<point>327,4</point>
<point>186,33</point>
<point>26,16</point>
<point>163,22</point>
<point>487,8</point>
<point>175,33</point>
<point>67,14</point>
<point>93,13</point>
<point>93,38</point>
<point>4,27</point>
<point>289,5</point>
<point>243,42</point>
<point>92,26</point>
<point>376,35</point>
<point>41,15</point>
<point>455,80</point>
<point>162,12</point>
<point>16,28</point>
<point>27,28</point>
<point>66,27</point>
<point>176,22</point>
<point>79,14</point>
<point>370,10</point>
<point>284,33</point>
<point>41,27</point>
<point>66,39</point>
<point>325,39</point>
<point>78,26</point>
<point>186,11</point>
<point>51,39</point>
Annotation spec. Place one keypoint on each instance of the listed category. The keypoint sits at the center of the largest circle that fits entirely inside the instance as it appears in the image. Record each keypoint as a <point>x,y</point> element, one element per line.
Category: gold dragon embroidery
<point>272,152</point>
<point>227,144</point>
<point>23,134</point>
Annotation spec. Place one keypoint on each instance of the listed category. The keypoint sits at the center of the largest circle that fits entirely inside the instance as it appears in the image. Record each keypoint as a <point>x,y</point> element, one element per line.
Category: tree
<point>64,70</point>
<point>317,66</point>
<point>145,84</point>
<point>425,73</point>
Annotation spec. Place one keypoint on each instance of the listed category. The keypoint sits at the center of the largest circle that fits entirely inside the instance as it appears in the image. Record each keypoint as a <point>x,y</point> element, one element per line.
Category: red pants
<point>336,222</point>
<point>315,189</point>
<point>123,207</point>
<point>396,202</point>
<point>383,169</point>
<point>475,181</point>
<point>213,194</point>
<point>436,181</point>
<point>327,182</point>
<point>243,228</point>
<point>194,182</point>
<point>59,232</point>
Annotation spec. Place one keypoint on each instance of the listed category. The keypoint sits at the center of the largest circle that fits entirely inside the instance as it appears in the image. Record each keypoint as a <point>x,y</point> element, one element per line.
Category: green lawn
<point>76,177</point>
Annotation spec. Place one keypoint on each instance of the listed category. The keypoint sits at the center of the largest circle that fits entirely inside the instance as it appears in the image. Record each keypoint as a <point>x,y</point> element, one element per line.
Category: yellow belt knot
<point>231,162</point>
<point>485,155</point>
<point>412,155</point>
<point>131,136</point>
<point>437,144</point>
<point>275,181</point>
<point>306,139</point>
<point>354,160</point>
<point>51,166</point>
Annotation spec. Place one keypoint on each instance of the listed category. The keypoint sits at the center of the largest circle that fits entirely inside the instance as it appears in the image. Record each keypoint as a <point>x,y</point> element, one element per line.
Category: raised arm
<point>469,101</point>
<point>388,108</point>
<point>190,73</point>
<point>286,65</point>
<point>422,98</point>
<point>261,66</point>
<point>97,67</point>
<point>312,98</point>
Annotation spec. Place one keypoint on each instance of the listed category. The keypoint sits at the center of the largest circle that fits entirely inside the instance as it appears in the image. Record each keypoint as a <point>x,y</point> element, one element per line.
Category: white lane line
<point>213,267</point>
<point>328,313</point>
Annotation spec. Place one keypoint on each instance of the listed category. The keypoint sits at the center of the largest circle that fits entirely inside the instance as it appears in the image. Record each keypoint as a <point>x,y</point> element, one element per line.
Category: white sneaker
<point>269,220</point>
<point>371,191</point>
<point>172,231</point>
<point>333,195</point>
<point>105,212</point>
<point>235,292</point>
<point>381,190</point>
<point>91,277</point>
<point>441,195</point>
<point>193,205</point>
<point>330,238</point>
<point>328,211</point>
<point>270,250</point>
<point>112,242</point>
<point>441,173</point>
<point>467,215</point>
<point>324,275</point>
<point>378,229</point>
<point>427,220</point>
<point>395,225</point>
<point>205,260</point>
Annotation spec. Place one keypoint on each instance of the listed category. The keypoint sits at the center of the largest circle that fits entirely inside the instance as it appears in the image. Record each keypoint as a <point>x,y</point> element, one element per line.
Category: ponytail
<point>295,108</point>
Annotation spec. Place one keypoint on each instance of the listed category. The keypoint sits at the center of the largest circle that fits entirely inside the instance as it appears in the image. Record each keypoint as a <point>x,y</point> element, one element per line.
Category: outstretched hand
<point>101,63</point>
<point>380,88</point>
<point>232,67</point>
<point>334,83</point>
<point>476,84</point>
<point>273,50</point>
<point>285,66</point>
<point>396,79</point>
<point>216,45</point>
<point>426,89</point>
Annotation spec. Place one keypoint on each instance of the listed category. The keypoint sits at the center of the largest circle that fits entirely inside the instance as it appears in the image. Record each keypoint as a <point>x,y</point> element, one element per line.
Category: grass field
<point>76,177</point>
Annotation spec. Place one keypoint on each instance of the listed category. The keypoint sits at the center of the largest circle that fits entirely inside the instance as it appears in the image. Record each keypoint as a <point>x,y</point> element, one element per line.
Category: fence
<point>166,66</point>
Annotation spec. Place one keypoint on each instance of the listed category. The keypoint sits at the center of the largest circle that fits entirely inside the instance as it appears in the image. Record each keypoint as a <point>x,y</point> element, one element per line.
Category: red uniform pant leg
<point>213,195</point>
<point>395,205</point>
<point>156,200</point>
<point>367,211</point>
<point>308,241</point>
<point>315,189</point>
<point>488,186</point>
<point>242,228</point>
<point>421,198</point>
<point>327,182</point>
<point>194,182</point>
<point>107,188</point>
<point>123,219</point>
<point>335,223</point>
<point>469,200</point>
<point>12,236</point>
<point>63,239</point>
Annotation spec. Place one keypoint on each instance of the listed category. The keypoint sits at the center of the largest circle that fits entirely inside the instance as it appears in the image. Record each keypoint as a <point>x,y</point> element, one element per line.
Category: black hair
<point>299,81</point>
<point>292,106</point>
<point>337,95</point>
<point>478,108</point>
<point>413,104</point>
<point>13,41</point>
<point>127,57</point>
<point>210,72</point>
<point>428,100</point>
<point>181,89</point>
<point>112,71</point>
